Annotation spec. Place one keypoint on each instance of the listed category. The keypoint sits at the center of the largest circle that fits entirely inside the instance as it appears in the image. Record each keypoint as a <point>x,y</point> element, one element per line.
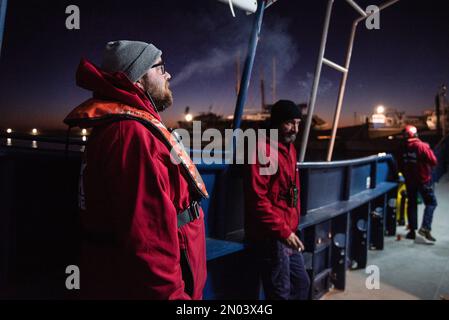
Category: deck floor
<point>408,270</point>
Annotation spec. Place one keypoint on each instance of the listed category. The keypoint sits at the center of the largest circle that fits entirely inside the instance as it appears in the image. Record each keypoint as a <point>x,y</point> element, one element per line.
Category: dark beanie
<point>133,58</point>
<point>282,111</point>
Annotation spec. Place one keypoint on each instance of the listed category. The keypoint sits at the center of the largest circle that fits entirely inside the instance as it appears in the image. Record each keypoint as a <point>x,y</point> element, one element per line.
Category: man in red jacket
<point>143,228</point>
<point>416,161</point>
<point>273,209</point>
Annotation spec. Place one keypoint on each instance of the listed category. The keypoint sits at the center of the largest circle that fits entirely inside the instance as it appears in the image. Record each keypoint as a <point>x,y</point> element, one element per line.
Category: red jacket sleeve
<point>427,155</point>
<point>147,219</point>
<point>268,215</point>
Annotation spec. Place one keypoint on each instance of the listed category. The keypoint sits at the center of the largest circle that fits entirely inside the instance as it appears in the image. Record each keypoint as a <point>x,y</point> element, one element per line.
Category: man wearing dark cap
<point>272,212</point>
<point>143,230</point>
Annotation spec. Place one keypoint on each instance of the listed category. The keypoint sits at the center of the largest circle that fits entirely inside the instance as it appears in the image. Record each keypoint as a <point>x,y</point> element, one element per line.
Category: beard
<point>161,97</point>
<point>289,138</point>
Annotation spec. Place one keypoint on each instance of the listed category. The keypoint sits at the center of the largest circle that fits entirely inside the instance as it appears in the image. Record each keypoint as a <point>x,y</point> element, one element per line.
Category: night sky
<point>400,66</point>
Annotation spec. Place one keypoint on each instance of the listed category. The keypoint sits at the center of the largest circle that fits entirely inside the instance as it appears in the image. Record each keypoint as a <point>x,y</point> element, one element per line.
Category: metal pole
<point>3,5</point>
<point>438,112</point>
<point>341,94</point>
<point>382,7</point>
<point>316,82</point>
<point>249,63</point>
<point>334,65</point>
<point>443,109</point>
<point>237,77</point>
<point>274,80</point>
<point>357,8</point>
<point>345,75</point>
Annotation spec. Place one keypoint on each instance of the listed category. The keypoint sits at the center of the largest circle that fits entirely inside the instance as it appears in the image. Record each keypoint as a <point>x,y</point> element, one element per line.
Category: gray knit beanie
<point>134,58</point>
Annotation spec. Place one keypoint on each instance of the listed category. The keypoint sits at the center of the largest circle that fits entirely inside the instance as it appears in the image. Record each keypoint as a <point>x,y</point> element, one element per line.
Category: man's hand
<point>293,242</point>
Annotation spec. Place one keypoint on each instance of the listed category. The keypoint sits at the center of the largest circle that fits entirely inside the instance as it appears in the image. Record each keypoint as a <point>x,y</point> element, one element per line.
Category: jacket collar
<point>108,87</point>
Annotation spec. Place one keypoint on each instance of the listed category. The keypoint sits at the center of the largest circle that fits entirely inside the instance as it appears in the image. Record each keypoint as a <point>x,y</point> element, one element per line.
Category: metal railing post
<point>316,82</point>
<point>357,8</point>
<point>3,6</point>
<point>341,93</point>
<point>249,63</point>
<point>345,71</point>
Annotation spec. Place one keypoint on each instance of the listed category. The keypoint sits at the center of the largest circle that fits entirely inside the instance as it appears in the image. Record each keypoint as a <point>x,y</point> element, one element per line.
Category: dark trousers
<point>282,270</point>
<point>430,201</point>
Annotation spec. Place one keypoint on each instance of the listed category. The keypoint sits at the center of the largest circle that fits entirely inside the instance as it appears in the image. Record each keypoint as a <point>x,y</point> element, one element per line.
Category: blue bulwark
<point>3,5</point>
<point>333,210</point>
<point>220,248</point>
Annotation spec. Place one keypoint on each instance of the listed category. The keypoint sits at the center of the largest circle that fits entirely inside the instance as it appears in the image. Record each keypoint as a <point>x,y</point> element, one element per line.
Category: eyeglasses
<point>160,64</point>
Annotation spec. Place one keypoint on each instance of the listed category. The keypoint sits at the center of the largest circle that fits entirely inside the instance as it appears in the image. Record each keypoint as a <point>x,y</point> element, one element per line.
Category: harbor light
<point>34,132</point>
<point>380,110</point>
<point>84,132</point>
<point>8,130</point>
<point>189,117</point>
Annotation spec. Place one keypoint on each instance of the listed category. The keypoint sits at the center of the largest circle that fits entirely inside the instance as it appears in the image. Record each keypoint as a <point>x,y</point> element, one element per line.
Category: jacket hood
<point>111,87</point>
<point>413,141</point>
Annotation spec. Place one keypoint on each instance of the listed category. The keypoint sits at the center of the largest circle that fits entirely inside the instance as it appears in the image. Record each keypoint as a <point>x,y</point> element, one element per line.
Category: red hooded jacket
<point>268,213</point>
<point>416,161</point>
<point>132,193</point>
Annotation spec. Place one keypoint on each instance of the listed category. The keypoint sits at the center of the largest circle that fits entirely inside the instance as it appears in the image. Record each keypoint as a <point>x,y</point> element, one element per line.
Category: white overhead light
<point>249,6</point>
<point>34,131</point>
<point>84,132</point>
<point>189,117</point>
<point>8,130</point>
<point>380,109</point>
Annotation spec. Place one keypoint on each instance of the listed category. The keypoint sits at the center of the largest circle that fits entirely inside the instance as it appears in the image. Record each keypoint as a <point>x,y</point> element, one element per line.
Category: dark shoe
<point>411,235</point>
<point>422,240</point>
<point>426,234</point>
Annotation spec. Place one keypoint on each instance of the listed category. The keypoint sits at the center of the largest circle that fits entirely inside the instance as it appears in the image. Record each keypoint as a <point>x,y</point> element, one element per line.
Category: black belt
<point>190,214</point>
